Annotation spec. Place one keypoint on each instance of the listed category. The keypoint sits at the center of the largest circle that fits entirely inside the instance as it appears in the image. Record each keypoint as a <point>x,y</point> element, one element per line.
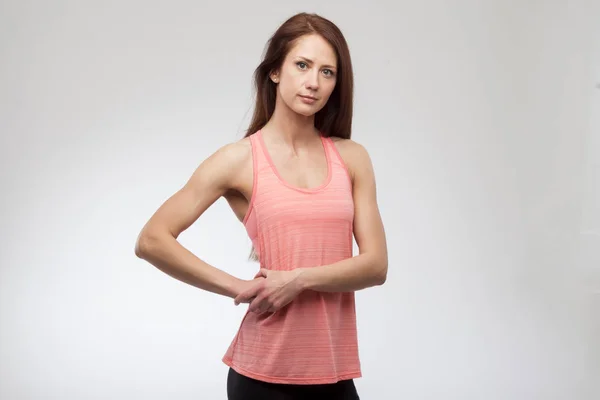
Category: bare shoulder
<point>237,159</point>
<point>231,157</point>
<point>355,155</point>
<point>234,154</point>
<point>221,170</point>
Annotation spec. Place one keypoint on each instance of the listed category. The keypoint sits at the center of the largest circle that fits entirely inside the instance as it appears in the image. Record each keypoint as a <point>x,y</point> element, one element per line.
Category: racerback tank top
<point>312,340</point>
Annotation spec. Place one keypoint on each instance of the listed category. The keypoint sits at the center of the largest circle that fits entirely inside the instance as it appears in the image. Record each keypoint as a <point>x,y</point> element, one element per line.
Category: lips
<point>308,97</point>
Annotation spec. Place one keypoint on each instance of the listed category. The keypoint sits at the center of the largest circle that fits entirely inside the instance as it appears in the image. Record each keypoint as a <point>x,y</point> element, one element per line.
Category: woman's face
<point>307,76</point>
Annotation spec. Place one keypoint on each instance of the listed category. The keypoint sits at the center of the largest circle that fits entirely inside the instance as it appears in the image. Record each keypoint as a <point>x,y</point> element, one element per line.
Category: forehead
<point>314,47</point>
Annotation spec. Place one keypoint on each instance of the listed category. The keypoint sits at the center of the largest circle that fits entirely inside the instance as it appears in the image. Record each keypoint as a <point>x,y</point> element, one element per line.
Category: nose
<point>312,80</point>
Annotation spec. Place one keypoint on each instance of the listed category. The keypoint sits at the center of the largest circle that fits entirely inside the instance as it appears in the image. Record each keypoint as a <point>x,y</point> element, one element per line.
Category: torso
<point>304,171</point>
<point>298,212</point>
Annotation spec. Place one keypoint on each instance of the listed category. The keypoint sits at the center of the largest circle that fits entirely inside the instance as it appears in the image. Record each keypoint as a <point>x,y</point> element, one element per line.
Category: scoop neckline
<point>286,183</point>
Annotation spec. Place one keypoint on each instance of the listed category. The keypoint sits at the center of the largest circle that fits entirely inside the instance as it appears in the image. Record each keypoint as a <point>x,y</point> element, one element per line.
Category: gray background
<point>481,117</point>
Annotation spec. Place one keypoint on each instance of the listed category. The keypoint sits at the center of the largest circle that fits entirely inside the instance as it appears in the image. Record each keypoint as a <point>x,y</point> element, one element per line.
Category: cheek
<point>295,82</point>
<point>288,90</point>
<point>329,87</point>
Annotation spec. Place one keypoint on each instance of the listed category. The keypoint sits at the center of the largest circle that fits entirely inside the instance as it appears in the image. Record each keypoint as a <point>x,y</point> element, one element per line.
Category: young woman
<point>303,190</point>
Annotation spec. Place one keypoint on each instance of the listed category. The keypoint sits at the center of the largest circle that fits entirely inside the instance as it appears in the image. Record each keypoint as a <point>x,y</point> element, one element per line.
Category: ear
<point>274,76</point>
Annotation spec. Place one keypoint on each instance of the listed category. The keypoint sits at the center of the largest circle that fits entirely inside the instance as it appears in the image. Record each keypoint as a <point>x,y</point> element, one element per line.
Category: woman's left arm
<point>369,267</point>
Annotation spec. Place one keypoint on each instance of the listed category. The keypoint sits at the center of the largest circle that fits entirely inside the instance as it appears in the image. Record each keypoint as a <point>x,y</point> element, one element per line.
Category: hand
<point>276,291</point>
<point>247,285</point>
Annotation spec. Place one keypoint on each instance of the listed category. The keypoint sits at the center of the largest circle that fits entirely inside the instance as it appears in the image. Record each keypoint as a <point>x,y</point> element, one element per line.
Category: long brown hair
<point>335,118</point>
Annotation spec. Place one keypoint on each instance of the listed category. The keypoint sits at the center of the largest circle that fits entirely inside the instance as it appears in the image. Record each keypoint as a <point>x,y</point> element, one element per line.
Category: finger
<point>245,297</point>
<point>259,304</point>
<point>264,272</point>
<point>244,301</point>
<point>268,305</point>
<point>273,308</point>
<point>255,305</point>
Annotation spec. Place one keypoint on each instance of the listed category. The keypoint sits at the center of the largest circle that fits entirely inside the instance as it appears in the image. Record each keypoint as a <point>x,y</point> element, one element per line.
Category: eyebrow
<point>312,62</point>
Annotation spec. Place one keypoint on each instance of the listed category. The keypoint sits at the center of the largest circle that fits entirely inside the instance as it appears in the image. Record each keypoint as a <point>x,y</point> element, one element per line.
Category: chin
<point>306,110</point>
<point>305,113</point>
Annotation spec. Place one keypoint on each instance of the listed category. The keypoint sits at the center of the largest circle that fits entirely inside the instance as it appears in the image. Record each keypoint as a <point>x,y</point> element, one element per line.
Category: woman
<point>302,189</point>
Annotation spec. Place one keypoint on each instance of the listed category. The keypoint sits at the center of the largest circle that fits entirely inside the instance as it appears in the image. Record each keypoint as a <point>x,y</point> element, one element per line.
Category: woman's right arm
<point>157,242</point>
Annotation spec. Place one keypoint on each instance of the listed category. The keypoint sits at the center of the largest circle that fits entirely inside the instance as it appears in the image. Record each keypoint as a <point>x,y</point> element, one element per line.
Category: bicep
<point>368,225</point>
<point>207,184</point>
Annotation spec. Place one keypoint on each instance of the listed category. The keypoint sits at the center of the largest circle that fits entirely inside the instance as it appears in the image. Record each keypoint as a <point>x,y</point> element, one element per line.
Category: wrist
<point>305,278</point>
<point>235,287</point>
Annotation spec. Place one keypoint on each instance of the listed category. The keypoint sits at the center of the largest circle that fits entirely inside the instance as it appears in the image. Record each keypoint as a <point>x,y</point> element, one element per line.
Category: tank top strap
<point>332,153</point>
<point>329,148</point>
<point>259,157</point>
<point>338,165</point>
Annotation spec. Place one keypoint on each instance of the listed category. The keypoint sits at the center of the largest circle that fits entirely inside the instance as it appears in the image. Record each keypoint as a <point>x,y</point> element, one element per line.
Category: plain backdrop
<point>483,122</point>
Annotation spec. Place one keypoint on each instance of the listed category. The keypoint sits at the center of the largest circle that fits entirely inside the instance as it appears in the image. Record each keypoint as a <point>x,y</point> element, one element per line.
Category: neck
<point>289,126</point>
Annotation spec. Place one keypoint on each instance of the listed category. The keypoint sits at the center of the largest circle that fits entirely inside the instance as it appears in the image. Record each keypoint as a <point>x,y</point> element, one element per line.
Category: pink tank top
<point>312,340</point>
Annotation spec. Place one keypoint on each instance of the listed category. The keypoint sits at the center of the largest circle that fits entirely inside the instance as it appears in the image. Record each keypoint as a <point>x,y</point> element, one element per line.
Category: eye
<point>328,72</point>
<point>301,64</point>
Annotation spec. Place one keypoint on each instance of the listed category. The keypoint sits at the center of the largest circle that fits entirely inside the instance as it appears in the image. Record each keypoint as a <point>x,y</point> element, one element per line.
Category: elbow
<point>381,273</point>
<point>382,277</point>
<point>143,245</point>
<point>138,250</point>
<point>376,271</point>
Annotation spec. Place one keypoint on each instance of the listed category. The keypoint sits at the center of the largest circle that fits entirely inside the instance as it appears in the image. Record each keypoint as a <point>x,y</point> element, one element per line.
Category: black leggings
<point>240,387</point>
